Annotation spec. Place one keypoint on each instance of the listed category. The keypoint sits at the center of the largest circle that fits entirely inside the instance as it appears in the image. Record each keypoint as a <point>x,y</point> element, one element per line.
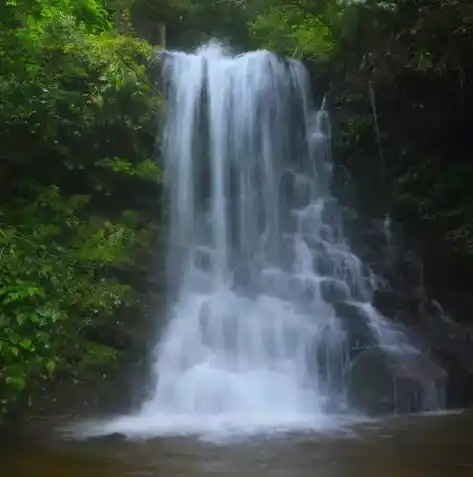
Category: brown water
<point>427,446</point>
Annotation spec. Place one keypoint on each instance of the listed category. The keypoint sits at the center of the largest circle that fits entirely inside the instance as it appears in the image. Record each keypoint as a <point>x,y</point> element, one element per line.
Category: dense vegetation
<point>79,182</point>
<point>78,186</point>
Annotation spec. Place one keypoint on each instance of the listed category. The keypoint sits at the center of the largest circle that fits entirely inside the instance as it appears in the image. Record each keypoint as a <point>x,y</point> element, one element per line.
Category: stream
<point>438,445</point>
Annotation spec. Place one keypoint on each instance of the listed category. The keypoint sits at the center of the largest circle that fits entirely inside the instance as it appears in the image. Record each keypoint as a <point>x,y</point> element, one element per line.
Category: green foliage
<point>98,356</point>
<point>48,288</point>
<point>293,31</point>
<point>77,183</point>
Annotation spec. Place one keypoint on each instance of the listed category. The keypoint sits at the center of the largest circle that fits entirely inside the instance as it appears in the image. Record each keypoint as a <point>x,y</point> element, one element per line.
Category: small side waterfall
<point>271,307</point>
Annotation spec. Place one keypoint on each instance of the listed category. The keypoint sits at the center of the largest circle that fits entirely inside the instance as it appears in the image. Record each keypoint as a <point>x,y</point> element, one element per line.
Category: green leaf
<point>17,382</point>
<point>50,366</point>
<point>25,343</point>
<point>77,115</point>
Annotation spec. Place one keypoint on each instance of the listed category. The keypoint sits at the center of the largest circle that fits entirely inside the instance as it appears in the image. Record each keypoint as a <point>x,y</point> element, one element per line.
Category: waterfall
<point>269,303</point>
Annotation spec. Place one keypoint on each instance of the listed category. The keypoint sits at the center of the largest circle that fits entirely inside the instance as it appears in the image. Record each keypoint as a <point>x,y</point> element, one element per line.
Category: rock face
<point>381,380</point>
<point>355,323</point>
<point>402,293</point>
<point>334,291</point>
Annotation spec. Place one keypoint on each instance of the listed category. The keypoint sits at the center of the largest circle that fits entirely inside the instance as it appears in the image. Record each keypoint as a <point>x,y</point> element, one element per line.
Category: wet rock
<point>322,264</point>
<point>203,259</point>
<point>331,212</point>
<point>296,188</point>
<point>230,327</point>
<point>355,323</point>
<point>288,185</point>
<point>386,302</point>
<point>287,253</point>
<point>302,290</point>
<point>292,221</point>
<point>273,282</point>
<point>328,357</point>
<point>376,239</point>
<point>114,437</point>
<point>349,311</point>
<point>381,380</point>
<point>454,351</point>
<point>315,243</point>
<point>333,291</point>
<point>408,284</point>
<point>204,317</point>
<point>405,307</point>
<point>242,277</point>
<point>327,233</point>
<point>303,191</point>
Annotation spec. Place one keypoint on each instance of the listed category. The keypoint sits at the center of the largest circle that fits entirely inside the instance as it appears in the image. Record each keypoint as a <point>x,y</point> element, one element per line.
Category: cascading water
<point>241,332</point>
<point>261,270</point>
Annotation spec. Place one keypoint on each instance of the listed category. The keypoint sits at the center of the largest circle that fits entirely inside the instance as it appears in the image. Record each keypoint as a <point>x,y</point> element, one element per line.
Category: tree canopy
<point>78,177</point>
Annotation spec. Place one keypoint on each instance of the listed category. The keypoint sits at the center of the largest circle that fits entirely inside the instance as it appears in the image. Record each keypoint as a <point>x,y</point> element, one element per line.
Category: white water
<point>257,256</point>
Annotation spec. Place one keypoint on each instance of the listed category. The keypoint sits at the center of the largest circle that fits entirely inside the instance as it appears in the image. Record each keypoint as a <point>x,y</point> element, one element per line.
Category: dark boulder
<point>383,380</point>
<point>333,291</point>
<point>356,324</point>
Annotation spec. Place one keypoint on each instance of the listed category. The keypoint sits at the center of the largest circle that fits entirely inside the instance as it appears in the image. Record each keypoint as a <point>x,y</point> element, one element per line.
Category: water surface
<point>421,446</point>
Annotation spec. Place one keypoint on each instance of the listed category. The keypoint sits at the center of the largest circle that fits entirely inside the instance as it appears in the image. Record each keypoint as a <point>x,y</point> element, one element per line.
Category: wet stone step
<point>303,290</point>
<point>333,291</point>
<point>331,212</point>
<point>315,242</point>
<point>287,253</point>
<point>322,263</point>
<point>296,289</point>
<point>356,324</point>
<point>296,188</point>
<point>292,221</point>
<point>273,282</point>
<point>202,258</point>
